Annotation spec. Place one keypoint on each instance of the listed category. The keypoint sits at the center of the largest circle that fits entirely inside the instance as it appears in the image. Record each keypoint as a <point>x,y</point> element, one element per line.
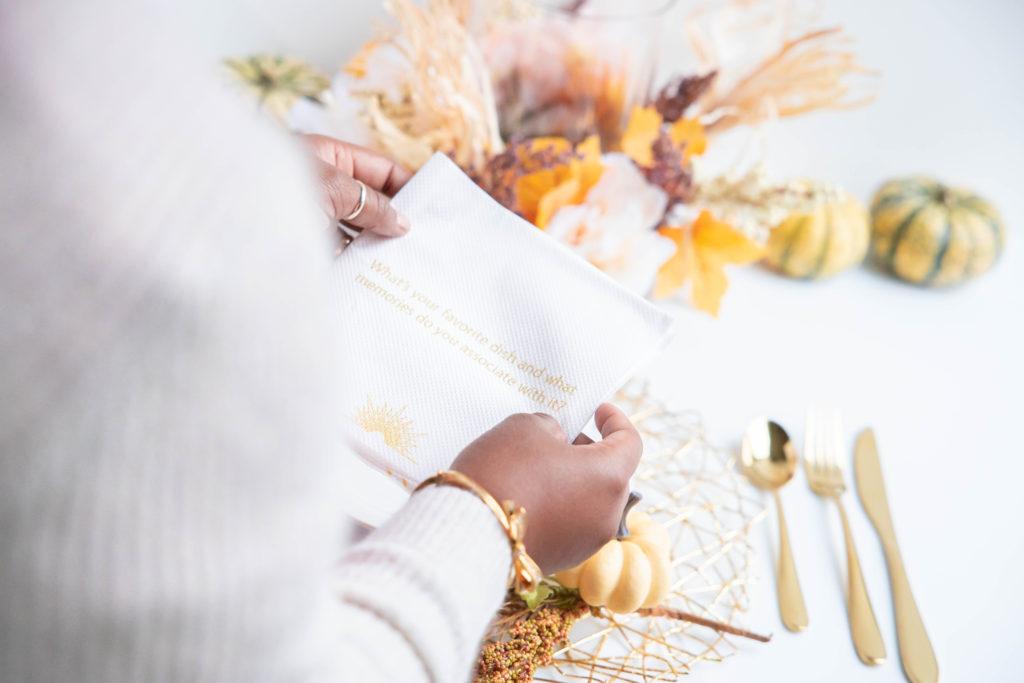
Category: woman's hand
<point>573,493</point>
<point>339,165</point>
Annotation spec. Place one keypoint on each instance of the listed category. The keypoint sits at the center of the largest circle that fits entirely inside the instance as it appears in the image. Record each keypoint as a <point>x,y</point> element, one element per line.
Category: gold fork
<point>821,448</point>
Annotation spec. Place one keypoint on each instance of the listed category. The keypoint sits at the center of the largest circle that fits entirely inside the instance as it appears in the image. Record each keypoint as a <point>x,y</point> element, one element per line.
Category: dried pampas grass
<point>797,71</point>
<point>442,100</point>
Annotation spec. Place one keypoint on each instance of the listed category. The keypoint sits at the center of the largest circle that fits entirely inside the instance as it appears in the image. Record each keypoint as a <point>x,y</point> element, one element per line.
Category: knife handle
<point>916,651</point>
<point>791,599</point>
<point>867,638</point>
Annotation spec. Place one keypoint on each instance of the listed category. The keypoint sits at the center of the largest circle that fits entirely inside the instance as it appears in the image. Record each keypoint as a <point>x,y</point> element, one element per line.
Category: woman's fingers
<point>341,198</point>
<point>376,170</point>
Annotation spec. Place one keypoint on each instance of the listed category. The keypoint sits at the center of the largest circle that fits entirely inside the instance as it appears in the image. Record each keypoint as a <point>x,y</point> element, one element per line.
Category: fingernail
<point>403,222</point>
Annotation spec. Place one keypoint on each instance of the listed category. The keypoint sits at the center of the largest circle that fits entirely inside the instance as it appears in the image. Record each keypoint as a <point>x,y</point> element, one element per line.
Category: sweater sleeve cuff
<point>437,570</point>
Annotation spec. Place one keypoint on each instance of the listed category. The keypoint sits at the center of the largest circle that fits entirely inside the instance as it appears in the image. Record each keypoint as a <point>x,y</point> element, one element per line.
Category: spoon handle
<point>867,638</point>
<point>791,598</point>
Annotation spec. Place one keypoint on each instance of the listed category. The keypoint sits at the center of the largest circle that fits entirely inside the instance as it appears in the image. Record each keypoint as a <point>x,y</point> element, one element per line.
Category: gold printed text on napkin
<point>472,316</point>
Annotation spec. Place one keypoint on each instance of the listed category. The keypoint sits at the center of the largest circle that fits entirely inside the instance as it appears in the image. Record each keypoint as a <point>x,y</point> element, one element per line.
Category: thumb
<point>341,197</point>
<point>619,438</point>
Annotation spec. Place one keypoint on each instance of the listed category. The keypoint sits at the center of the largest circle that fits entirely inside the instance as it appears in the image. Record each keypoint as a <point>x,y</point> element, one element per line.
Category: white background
<point>938,374</point>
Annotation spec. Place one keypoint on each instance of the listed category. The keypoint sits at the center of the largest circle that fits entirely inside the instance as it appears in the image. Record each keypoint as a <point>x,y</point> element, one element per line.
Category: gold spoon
<point>769,461</point>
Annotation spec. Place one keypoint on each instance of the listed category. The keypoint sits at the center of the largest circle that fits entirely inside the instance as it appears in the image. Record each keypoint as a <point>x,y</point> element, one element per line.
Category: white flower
<point>614,228</point>
<point>338,117</point>
<point>341,115</point>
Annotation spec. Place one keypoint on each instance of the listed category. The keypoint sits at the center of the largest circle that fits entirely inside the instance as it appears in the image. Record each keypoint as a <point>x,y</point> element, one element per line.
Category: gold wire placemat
<point>694,488</point>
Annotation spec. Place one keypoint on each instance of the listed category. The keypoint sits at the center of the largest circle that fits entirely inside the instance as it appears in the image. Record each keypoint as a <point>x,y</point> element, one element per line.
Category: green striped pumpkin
<point>931,234</point>
<point>827,232</point>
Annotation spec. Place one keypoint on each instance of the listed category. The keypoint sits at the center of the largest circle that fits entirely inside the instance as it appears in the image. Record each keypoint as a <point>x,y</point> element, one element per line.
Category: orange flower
<point>702,252</point>
<point>543,191</point>
<point>613,227</point>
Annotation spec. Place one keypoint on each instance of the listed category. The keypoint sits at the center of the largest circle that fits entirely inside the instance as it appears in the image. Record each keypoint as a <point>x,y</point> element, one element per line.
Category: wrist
<point>524,574</point>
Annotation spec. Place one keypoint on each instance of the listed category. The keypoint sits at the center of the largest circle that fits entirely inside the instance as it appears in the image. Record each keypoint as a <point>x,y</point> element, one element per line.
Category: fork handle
<point>791,599</point>
<point>867,638</point>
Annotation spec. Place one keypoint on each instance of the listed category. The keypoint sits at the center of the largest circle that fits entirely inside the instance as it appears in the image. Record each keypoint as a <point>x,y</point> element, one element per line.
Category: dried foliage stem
<point>701,621</point>
<point>807,73</point>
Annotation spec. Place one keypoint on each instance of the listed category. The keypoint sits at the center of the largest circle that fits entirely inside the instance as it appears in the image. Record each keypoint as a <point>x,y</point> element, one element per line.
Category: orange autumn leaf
<point>642,130</point>
<point>702,252</point>
<point>722,242</point>
<point>689,132</point>
<point>673,273</point>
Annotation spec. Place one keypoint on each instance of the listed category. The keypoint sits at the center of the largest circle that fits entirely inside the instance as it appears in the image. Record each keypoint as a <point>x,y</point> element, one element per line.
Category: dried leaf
<point>753,204</point>
<point>643,129</point>
<point>537,596</point>
<point>702,252</point>
<point>278,81</point>
<point>677,95</point>
<point>669,169</point>
<point>549,143</point>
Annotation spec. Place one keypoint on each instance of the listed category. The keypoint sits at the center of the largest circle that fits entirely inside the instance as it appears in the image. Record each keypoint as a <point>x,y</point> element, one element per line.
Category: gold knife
<point>916,651</point>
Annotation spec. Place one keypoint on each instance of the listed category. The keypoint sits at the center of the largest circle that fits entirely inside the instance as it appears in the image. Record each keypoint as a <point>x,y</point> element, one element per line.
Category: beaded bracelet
<point>524,574</point>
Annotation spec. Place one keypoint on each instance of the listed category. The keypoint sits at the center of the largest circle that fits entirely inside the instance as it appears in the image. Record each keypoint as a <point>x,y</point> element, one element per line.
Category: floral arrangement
<point>558,123</point>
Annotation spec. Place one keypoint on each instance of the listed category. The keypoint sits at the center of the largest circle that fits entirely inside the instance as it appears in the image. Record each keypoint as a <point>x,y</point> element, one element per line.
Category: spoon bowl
<point>769,461</point>
<point>768,455</point>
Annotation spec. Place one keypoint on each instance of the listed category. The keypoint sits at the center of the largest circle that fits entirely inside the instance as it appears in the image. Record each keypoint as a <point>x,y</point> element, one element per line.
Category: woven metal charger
<point>695,489</point>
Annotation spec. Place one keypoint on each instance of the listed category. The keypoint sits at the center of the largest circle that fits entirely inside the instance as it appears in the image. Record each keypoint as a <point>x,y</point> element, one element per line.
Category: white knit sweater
<point>171,481</point>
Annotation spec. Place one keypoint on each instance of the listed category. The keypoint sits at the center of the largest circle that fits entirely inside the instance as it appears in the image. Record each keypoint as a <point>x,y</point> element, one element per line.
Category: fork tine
<point>826,439</point>
<point>814,426</point>
<point>821,429</point>
<point>837,441</point>
<point>809,455</point>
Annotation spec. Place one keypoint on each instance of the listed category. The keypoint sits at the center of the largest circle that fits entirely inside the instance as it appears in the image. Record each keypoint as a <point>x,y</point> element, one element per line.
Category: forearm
<point>427,583</point>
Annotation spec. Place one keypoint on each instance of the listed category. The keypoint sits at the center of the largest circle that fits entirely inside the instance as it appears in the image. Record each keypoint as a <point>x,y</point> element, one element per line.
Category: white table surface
<point>938,374</point>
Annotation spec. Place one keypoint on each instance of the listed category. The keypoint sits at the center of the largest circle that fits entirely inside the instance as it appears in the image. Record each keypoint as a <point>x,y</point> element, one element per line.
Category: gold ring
<point>360,204</point>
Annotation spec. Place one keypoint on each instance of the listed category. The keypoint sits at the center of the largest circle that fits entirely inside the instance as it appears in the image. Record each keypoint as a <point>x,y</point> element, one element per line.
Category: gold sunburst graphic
<point>391,423</point>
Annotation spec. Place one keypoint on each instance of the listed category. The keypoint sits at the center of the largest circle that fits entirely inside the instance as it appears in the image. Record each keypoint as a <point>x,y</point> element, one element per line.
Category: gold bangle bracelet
<point>524,574</point>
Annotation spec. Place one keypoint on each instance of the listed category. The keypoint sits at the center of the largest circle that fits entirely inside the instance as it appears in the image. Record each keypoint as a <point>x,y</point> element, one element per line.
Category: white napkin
<point>472,316</point>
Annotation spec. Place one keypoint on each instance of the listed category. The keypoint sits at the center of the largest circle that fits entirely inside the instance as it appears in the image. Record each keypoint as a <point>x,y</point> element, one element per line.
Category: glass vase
<point>569,68</point>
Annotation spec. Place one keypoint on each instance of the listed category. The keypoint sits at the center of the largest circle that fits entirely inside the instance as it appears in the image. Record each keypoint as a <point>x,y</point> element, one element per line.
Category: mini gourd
<point>931,234</point>
<point>629,572</point>
<point>825,233</point>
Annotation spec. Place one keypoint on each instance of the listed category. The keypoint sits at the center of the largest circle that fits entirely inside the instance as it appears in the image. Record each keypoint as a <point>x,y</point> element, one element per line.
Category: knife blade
<point>916,653</point>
